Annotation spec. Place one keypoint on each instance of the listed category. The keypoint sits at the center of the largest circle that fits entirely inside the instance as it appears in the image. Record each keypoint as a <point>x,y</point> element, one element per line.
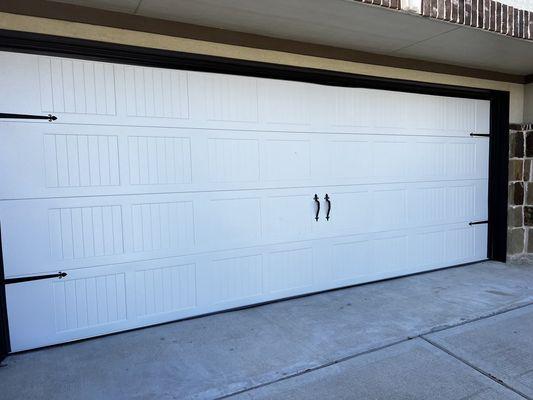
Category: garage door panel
<point>223,98</point>
<point>99,300</point>
<point>362,258</point>
<point>154,92</point>
<point>376,208</point>
<point>165,194</point>
<point>157,97</point>
<point>372,158</point>
<point>291,270</point>
<point>76,160</point>
<point>76,86</point>
<point>80,232</point>
<point>85,232</point>
<point>289,216</point>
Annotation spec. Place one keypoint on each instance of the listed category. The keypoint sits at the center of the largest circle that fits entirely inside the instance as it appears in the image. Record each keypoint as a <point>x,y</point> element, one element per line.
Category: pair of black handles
<point>317,201</point>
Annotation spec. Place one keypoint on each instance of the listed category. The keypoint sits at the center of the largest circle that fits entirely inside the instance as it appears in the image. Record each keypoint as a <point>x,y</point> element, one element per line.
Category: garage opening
<point>160,194</point>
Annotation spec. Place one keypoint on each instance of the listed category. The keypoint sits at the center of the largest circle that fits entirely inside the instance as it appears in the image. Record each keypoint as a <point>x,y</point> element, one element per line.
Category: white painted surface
<point>520,4</point>
<point>167,194</point>
<point>414,6</point>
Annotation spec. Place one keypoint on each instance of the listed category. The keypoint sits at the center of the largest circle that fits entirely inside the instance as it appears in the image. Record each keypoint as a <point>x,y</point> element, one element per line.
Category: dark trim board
<point>498,175</point>
<point>100,51</point>
<point>5,346</point>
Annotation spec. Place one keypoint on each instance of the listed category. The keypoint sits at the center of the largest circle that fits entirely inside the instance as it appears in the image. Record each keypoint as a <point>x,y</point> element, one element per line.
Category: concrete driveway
<point>460,333</point>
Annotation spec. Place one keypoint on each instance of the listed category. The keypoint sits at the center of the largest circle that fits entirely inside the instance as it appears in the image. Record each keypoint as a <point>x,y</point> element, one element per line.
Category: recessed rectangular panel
<point>352,260</point>
<point>162,290</point>
<point>230,98</point>
<point>460,202</point>
<point>288,217</point>
<point>233,160</point>
<point>70,159</point>
<point>390,254</point>
<point>233,279</point>
<point>429,160</point>
<point>159,160</point>
<point>428,205</point>
<point>287,159</point>
<point>75,86</point>
<point>428,248</point>
<point>389,159</point>
<point>82,303</point>
<point>283,102</point>
<point>83,232</point>
<point>156,93</point>
<point>389,209</point>
<point>236,220</point>
<point>162,226</point>
<point>353,107</point>
<point>460,244</point>
<point>461,160</point>
<point>349,158</point>
<point>290,270</point>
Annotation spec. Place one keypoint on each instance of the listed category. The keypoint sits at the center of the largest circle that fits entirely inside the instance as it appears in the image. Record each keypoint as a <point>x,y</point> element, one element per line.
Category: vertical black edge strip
<point>33,43</point>
<point>5,346</point>
<point>498,175</point>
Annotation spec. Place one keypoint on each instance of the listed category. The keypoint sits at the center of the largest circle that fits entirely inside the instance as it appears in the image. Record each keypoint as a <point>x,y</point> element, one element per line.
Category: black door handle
<point>317,206</point>
<point>327,198</point>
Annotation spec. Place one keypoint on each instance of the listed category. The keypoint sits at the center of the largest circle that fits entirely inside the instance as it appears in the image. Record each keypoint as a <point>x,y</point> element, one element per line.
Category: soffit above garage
<point>346,24</point>
<point>341,24</point>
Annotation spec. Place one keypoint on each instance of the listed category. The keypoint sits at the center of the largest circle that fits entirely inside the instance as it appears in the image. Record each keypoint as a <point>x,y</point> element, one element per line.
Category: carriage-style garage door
<point>165,194</point>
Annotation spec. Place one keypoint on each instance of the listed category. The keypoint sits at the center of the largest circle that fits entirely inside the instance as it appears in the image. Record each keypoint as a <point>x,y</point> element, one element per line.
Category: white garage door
<point>165,194</point>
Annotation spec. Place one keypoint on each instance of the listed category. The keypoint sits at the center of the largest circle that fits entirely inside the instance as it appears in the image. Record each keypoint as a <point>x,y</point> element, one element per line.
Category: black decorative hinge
<point>59,275</point>
<point>49,117</point>
<point>480,134</point>
<point>478,223</point>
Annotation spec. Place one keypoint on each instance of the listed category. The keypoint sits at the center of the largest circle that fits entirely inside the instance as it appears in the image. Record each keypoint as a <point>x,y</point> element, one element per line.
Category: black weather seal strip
<point>49,117</point>
<point>34,278</point>
<point>478,223</point>
<point>480,134</point>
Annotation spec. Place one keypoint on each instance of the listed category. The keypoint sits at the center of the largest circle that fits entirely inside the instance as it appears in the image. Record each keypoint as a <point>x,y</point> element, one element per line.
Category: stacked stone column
<point>520,212</point>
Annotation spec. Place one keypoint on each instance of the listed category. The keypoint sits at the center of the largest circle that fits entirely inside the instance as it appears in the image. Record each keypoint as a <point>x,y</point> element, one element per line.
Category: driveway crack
<point>421,335</point>
<point>474,367</point>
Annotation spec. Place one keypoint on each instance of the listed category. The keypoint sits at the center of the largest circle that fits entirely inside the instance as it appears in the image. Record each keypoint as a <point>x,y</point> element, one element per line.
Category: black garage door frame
<point>117,53</point>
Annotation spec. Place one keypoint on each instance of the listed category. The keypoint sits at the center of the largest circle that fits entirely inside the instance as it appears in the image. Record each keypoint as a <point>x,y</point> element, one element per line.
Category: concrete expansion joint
<point>422,336</point>
<point>474,367</point>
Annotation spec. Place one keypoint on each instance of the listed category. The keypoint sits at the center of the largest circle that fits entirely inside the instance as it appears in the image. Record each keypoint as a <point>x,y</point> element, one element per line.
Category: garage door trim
<point>133,55</point>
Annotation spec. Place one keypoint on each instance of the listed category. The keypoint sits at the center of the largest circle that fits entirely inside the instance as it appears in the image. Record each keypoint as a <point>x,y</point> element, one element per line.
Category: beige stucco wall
<point>528,103</point>
<point>121,36</point>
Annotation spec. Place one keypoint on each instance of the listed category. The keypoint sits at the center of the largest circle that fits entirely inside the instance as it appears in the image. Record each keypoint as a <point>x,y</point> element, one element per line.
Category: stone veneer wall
<point>520,212</point>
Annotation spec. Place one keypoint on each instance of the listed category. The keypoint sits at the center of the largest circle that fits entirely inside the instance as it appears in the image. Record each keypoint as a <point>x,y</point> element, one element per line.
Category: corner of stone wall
<point>520,211</point>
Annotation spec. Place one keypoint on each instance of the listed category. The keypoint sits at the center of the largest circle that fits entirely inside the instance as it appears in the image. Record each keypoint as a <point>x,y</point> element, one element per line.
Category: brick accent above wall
<point>489,15</point>
<point>484,14</point>
<point>520,211</point>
